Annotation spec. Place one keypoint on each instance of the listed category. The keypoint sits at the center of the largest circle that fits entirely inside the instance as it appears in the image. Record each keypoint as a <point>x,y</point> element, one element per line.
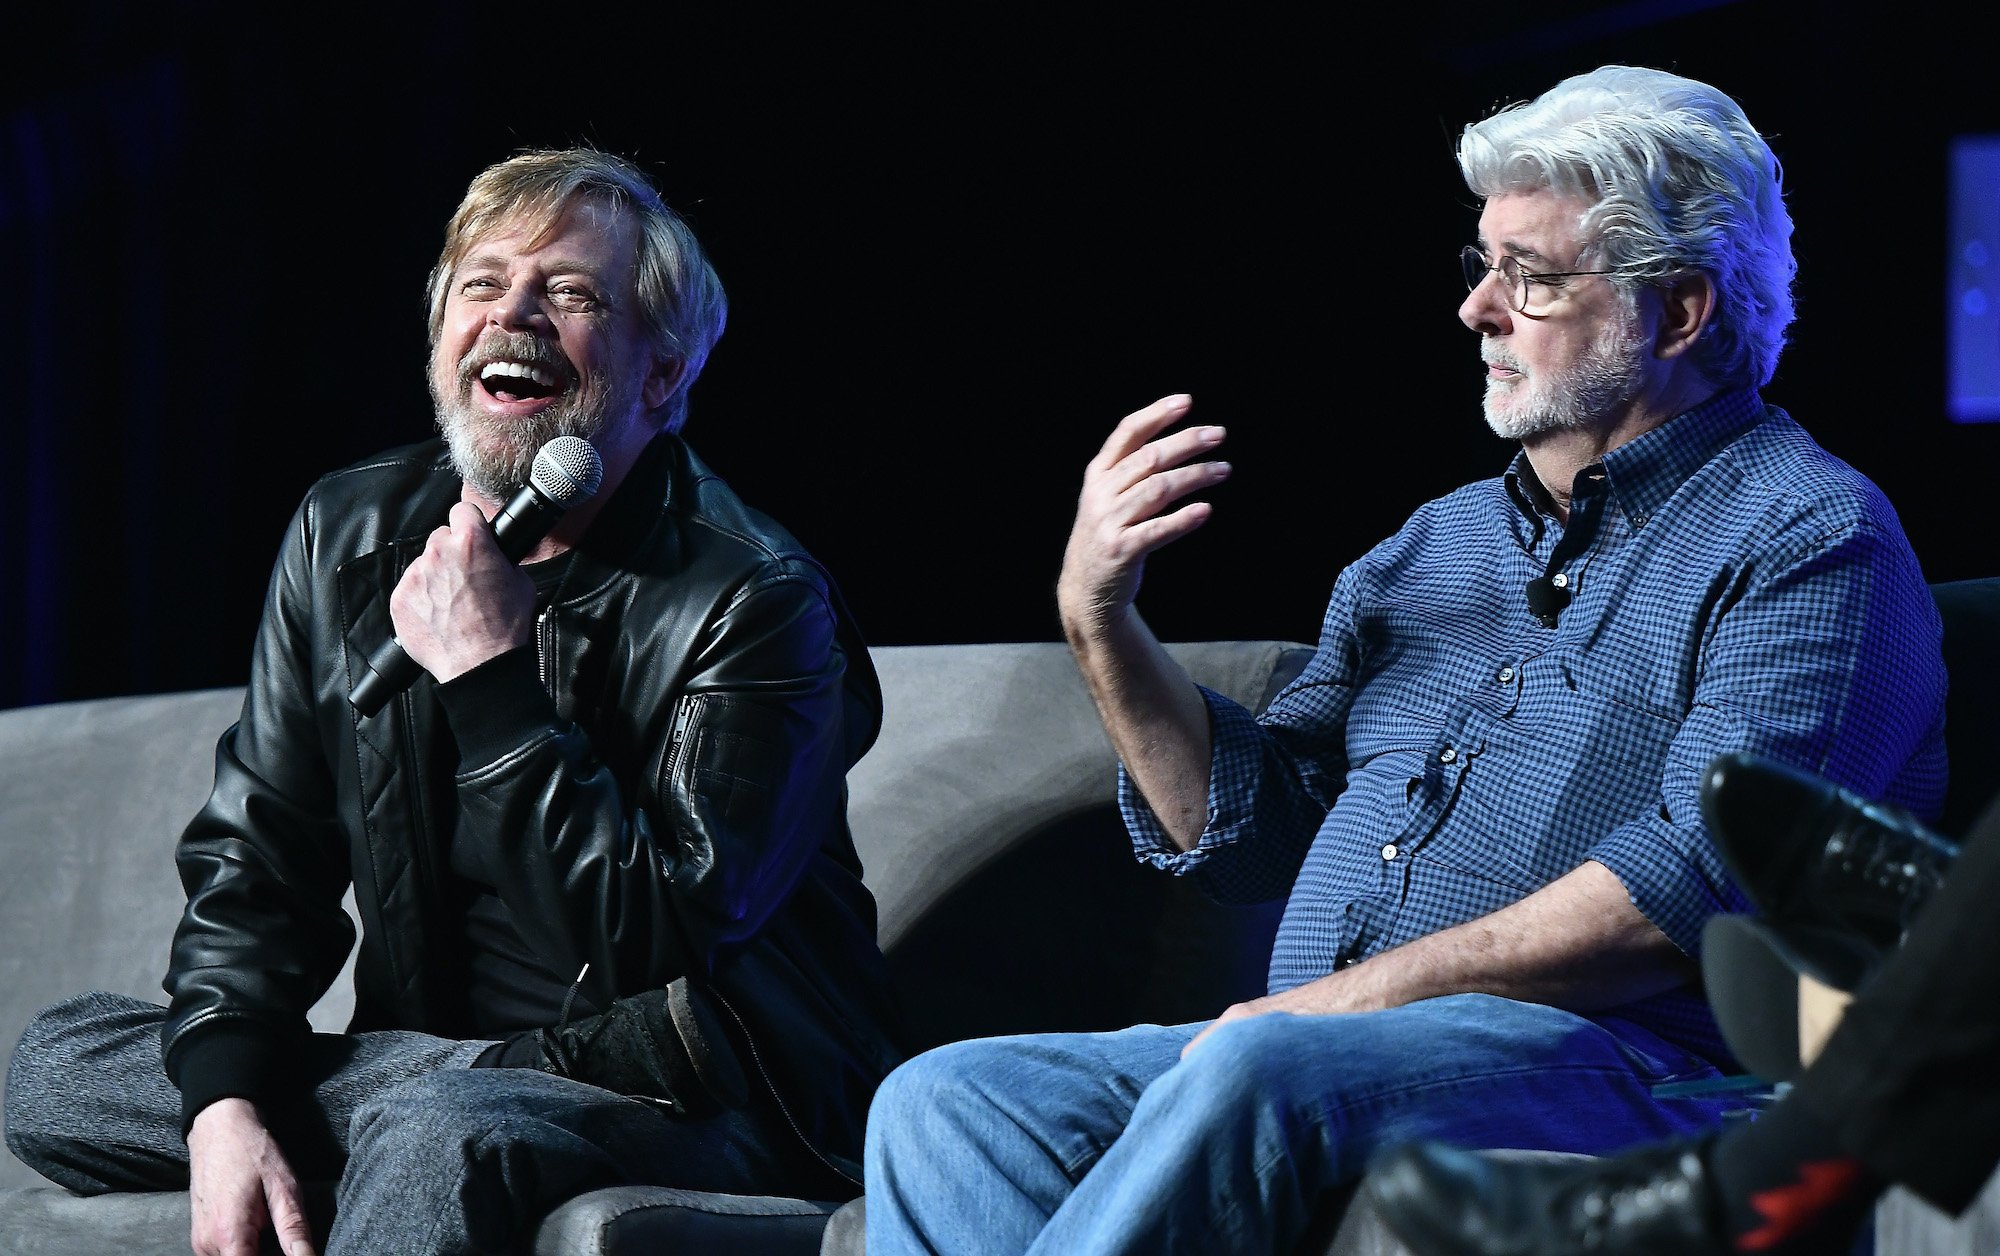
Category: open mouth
<point>517,381</point>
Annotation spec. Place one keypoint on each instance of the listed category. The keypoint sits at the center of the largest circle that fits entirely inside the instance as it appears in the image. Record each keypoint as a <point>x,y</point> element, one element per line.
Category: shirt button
<point>1560,580</point>
<point>1389,851</point>
<point>1505,676</point>
<point>1447,754</point>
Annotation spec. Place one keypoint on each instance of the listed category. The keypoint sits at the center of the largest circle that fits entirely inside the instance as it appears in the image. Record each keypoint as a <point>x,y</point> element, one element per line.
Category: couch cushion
<point>1340,1226</point>
<point>651,1219</point>
<point>96,794</point>
<point>49,1221</point>
<point>986,822</point>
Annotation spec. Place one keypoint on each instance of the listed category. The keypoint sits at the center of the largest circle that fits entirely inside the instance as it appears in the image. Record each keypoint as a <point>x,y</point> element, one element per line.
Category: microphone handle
<point>390,671</point>
<point>523,522</point>
<point>519,526</point>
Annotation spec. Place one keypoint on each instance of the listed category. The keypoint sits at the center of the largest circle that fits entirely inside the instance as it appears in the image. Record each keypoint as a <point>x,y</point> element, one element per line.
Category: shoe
<point>1445,1201</point>
<point>666,1047</point>
<point>1816,859</point>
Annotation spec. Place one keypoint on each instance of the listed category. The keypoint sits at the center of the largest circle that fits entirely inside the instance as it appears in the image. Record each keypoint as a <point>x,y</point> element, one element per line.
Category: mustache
<point>1492,356</point>
<point>503,346</point>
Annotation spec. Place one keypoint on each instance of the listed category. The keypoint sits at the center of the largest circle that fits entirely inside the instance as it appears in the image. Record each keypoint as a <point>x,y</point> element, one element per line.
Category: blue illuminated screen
<point>1972,282</point>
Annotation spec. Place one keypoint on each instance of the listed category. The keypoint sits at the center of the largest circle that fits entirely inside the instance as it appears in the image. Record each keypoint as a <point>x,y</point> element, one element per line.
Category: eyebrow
<point>560,266</point>
<point>1514,249</point>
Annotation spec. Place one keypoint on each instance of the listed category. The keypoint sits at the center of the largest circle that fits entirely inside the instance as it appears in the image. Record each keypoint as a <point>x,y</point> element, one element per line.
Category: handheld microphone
<point>566,473</point>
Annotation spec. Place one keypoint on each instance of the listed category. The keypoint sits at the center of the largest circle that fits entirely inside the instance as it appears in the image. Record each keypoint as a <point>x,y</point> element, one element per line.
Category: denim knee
<point>937,1090</point>
<point>918,1086</point>
<point>1248,1064</point>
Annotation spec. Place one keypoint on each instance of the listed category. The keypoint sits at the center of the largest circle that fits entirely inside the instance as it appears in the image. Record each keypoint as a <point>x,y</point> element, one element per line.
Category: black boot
<point>665,1046</point>
<point>1653,1201</point>
<point>1815,858</point>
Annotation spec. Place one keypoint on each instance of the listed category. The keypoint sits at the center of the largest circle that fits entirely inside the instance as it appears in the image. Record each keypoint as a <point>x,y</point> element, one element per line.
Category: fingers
<point>1230,1013</point>
<point>1165,458</point>
<point>288,1214</point>
<point>1140,426</point>
<point>1123,542</point>
<point>1235,1011</point>
<point>462,532</point>
<point>1154,488</point>
<point>1131,508</point>
<point>1139,472</point>
<point>1131,504</point>
<point>1135,451</point>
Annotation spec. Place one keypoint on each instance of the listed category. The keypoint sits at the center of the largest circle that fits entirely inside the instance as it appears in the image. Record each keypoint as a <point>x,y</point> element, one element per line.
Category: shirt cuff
<point>1233,742</point>
<point>498,706</point>
<point>233,1059</point>
<point>1667,886</point>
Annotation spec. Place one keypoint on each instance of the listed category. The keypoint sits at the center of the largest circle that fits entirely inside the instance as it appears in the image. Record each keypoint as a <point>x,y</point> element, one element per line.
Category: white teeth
<point>517,370</point>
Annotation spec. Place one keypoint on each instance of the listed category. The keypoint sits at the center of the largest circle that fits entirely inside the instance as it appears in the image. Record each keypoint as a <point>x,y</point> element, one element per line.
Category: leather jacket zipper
<point>676,740</point>
<point>545,646</point>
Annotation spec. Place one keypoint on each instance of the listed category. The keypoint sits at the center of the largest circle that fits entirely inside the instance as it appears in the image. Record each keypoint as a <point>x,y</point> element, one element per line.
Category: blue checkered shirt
<point>1445,753</point>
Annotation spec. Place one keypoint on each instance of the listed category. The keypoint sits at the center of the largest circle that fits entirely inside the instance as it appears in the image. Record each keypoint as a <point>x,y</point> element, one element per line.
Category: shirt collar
<point>1645,471</point>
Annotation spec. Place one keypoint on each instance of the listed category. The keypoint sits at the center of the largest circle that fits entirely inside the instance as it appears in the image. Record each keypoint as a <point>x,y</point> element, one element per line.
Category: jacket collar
<point>630,522</point>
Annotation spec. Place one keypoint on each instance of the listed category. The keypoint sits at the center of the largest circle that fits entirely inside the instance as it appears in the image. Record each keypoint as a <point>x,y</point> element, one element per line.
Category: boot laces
<point>562,1050</point>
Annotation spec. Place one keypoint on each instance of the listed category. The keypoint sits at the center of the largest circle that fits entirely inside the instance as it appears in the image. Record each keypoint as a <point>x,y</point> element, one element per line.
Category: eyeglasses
<point>1519,282</point>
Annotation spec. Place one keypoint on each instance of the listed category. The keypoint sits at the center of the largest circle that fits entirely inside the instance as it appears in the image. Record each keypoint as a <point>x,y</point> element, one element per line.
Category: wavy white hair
<point>1679,182</point>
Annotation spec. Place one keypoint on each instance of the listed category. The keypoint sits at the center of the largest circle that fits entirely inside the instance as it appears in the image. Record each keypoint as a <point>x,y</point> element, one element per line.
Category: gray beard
<point>496,458</point>
<point>1585,396</point>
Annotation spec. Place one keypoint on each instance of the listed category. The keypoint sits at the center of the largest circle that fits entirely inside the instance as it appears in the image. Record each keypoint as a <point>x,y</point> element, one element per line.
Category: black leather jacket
<point>670,797</point>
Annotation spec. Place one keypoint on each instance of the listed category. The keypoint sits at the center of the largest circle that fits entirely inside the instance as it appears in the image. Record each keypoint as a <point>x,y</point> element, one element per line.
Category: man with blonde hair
<point>585,779</point>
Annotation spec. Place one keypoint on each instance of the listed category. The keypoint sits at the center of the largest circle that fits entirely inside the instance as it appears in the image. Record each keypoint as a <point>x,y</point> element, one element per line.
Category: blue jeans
<point>1099,1143</point>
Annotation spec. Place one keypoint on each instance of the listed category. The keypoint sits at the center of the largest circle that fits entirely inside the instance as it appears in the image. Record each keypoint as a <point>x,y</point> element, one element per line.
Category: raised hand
<point>1128,508</point>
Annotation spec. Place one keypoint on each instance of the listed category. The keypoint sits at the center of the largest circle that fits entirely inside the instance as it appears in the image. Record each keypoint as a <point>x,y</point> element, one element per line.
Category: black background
<point>960,243</point>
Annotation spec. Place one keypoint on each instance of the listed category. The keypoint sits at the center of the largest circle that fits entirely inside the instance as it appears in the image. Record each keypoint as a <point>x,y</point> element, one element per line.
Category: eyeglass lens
<point>1476,271</point>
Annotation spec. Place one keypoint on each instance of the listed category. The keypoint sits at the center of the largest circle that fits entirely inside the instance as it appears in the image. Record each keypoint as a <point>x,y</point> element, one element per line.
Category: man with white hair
<point>1479,800</point>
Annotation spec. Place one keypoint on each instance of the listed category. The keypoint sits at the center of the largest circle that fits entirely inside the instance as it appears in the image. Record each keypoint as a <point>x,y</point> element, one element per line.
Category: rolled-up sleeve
<point>1826,658</point>
<point>1272,776</point>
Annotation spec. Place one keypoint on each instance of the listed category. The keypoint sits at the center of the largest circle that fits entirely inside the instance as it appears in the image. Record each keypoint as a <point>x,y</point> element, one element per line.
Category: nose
<point>1485,309</point>
<point>518,309</point>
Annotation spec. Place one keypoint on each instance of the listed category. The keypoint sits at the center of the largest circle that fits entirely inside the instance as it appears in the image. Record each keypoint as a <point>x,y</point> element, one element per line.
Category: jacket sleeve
<point>750,785</point>
<point>264,866</point>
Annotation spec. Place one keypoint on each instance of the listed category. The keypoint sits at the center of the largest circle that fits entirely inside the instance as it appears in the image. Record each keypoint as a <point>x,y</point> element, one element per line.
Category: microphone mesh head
<point>567,470</point>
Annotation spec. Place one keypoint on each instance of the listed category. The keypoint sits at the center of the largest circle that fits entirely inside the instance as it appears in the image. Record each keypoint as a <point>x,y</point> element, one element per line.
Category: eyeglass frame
<point>1472,258</point>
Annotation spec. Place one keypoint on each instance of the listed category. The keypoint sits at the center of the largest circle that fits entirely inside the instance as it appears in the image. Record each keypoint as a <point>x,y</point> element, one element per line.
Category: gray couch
<point>991,768</point>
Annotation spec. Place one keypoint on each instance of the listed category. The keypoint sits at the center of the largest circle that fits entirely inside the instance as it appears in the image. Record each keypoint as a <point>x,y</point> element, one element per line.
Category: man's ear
<point>661,382</point>
<point>1686,306</point>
